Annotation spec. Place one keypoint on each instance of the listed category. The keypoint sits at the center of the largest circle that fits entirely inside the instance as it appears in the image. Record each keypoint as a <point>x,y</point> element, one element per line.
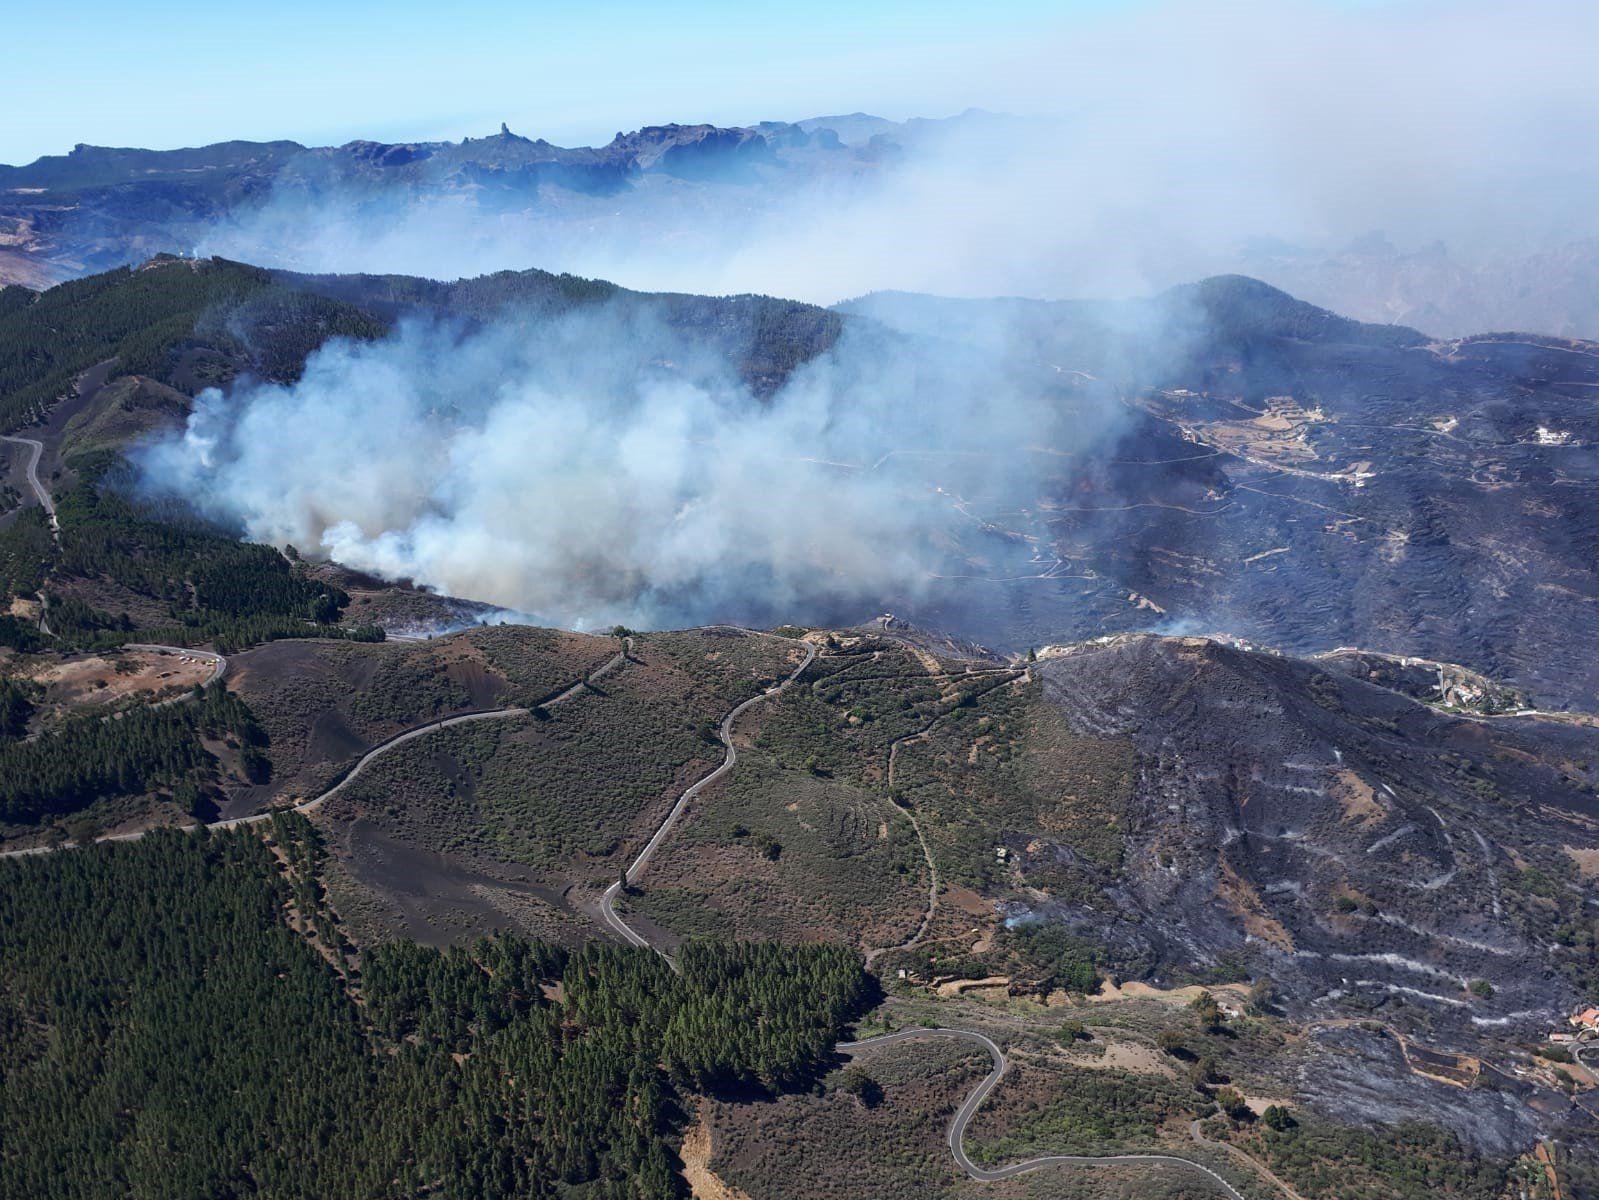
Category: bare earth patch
<point>1358,801</point>
<point>1587,861</point>
<point>1244,902</point>
<point>704,1183</point>
<point>108,678</point>
<point>1135,990</point>
<point>1127,1056</point>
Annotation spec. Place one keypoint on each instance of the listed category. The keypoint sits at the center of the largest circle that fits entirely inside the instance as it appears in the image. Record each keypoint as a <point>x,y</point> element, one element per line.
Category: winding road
<point>39,490</point>
<point>42,494</point>
<point>636,867</point>
<point>933,882</point>
<point>968,1109</point>
<point>382,748</point>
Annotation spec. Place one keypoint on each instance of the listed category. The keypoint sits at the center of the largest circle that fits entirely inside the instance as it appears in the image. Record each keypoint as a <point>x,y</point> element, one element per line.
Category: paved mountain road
<point>42,494</point>
<point>39,490</point>
<point>409,735</point>
<point>636,867</point>
<point>305,806</point>
<point>956,1136</point>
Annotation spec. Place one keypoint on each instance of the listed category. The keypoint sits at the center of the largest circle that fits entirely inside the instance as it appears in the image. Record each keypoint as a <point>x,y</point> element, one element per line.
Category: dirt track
<point>636,867</point>
<point>963,1117</point>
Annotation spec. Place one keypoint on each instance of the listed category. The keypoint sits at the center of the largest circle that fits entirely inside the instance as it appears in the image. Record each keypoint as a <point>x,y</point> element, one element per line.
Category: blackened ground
<point>1297,480</point>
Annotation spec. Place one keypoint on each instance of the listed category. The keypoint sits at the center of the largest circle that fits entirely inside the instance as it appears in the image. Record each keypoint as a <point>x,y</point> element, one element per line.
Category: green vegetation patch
<point>592,778</point>
<point>224,1054</point>
<point>216,589</point>
<point>857,706</point>
<point>836,1146</point>
<point>1011,764</point>
<point>1407,1161</point>
<point>600,767</point>
<point>141,317</point>
<point>582,781</point>
<point>730,664</point>
<point>26,552</point>
<point>406,689</point>
<point>90,757</point>
<point>780,852</point>
<point>1077,1110</point>
<point>537,662</point>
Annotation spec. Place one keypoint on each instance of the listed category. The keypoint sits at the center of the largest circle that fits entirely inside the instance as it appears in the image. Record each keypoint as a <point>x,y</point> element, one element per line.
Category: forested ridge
<point>218,590</point>
<point>764,338</point>
<point>164,1032</point>
<point>141,316</point>
<point>268,322</point>
<point>25,552</point>
<point>215,588</point>
<point>92,757</point>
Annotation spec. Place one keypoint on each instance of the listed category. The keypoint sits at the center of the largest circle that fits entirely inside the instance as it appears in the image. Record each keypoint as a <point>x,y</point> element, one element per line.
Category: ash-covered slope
<point>1392,868</point>
<point>1370,853</point>
<point>1296,478</point>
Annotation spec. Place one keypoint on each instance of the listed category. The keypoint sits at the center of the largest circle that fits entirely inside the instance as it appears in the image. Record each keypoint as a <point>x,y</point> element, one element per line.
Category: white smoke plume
<point>599,469</point>
<point>1163,142</point>
<point>602,471</point>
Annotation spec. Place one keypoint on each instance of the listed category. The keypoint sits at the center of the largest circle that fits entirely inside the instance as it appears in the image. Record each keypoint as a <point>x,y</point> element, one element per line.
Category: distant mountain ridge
<point>100,206</point>
<point>104,166</point>
<point>655,205</point>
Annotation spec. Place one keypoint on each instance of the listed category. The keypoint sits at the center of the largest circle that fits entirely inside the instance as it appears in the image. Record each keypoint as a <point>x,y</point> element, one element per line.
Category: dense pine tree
<point>165,1032</point>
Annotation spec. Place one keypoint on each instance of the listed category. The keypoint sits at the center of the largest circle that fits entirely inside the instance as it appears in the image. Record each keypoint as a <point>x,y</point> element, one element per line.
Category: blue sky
<point>181,73</point>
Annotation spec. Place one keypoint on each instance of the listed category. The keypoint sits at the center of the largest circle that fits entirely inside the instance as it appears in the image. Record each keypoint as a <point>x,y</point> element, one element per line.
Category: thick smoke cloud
<point>600,469</point>
<point>1166,141</point>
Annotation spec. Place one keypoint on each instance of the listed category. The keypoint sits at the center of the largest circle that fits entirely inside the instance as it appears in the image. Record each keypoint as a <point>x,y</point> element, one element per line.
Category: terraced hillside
<point>1388,899</point>
<point>1290,477</point>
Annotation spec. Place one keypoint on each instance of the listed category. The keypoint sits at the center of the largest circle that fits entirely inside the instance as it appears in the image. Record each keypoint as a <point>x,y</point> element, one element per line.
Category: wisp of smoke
<point>599,469</point>
<point>1165,141</point>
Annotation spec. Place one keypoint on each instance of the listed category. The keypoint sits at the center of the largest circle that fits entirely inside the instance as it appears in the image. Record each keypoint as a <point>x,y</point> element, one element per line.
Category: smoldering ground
<point>603,468</point>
